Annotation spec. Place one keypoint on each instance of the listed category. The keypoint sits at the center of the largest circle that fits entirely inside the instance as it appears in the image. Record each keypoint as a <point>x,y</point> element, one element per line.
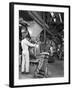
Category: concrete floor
<point>55,69</point>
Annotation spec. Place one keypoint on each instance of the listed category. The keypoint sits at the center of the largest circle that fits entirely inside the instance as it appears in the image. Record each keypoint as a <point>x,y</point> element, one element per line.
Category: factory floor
<point>55,69</point>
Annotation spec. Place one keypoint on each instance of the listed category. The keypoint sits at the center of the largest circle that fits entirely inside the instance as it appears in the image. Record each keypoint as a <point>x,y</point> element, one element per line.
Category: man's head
<point>28,37</point>
<point>23,29</point>
<point>24,32</point>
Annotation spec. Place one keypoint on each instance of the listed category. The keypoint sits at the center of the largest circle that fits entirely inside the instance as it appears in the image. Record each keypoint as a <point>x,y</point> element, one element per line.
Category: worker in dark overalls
<point>42,67</point>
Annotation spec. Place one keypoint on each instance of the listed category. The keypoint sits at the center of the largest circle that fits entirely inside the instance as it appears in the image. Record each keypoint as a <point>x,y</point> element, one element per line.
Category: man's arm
<point>30,44</point>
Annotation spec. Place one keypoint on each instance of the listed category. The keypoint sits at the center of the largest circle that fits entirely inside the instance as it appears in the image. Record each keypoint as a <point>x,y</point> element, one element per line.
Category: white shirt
<point>25,44</point>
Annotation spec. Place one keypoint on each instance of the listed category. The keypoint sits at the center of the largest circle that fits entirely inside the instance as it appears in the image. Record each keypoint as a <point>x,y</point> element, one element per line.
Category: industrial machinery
<point>47,31</point>
<point>41,63</point>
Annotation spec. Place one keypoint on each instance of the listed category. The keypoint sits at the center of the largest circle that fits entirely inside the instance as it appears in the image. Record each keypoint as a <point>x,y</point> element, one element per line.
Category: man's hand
<point>36,45</point>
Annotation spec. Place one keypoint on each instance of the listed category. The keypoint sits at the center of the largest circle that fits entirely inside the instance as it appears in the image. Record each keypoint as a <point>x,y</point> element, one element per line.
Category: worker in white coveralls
<point>25,43</point>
